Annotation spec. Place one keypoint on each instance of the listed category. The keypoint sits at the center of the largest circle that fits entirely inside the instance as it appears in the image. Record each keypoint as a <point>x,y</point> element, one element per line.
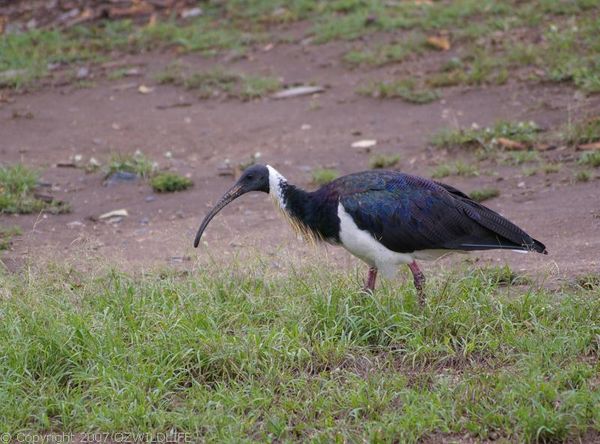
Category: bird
<point>386,218</point>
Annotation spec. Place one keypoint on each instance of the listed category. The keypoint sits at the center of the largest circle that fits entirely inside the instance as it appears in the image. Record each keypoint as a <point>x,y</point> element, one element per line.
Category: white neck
<point>276,183</point>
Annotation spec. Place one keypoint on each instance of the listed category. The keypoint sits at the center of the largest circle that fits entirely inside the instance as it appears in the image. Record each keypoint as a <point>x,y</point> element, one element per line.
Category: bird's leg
<point>419,279</point>
<point>370,283</point>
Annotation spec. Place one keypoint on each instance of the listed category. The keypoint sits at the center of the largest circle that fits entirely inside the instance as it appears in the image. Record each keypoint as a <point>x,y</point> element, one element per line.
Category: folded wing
<point>408,213</point>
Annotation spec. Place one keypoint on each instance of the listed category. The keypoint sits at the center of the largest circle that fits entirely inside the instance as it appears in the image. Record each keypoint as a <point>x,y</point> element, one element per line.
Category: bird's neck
<point>295,203</point>
<point>288,197</point>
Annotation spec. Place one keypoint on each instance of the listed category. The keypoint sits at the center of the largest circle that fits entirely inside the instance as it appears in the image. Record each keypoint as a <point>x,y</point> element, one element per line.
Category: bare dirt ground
<point>294,135</point>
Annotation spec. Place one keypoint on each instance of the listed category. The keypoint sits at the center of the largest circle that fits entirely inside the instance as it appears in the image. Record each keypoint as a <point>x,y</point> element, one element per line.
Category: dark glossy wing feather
<point>408,213</point>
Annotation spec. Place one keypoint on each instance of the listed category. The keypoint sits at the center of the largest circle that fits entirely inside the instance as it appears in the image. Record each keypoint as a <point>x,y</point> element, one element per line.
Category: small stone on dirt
<point>82,73</point>
<point>114,214</point>
<point>76,224</point>
<point>133,72</point>
<point>305,127</point>
<point>143,89</point>
<point>66,164</point>
<point>362,144</point>
<point>120,177</point>
<point>179,259</point>
<point>297,91</point>
<point>190,13</point>
<point>150,198</point>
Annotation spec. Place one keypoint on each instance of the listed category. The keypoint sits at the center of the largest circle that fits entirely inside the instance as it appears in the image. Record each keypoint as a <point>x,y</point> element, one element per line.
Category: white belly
<point>364,246</point>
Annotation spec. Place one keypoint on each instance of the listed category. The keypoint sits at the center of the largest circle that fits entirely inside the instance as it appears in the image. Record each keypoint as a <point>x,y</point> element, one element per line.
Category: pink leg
<point>419,279</point>
<point>370,284</point>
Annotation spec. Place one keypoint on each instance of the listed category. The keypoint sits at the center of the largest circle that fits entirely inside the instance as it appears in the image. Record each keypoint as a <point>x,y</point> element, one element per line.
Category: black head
<point>254,178</point>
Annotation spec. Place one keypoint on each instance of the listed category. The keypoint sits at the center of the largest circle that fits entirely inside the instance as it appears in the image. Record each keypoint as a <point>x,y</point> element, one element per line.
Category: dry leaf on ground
<point>589,146</point>
<point>511,145</point>
<point>439,42</point>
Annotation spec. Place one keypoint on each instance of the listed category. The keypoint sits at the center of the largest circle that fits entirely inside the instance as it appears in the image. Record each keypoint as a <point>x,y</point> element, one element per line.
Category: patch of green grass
<point>582,132</point>
<point>551,168</point>
<point>502,276</point>
<point>483,194</point>
<point>265,12</point>
<point>201,35</point>
<point>26,56</point>
<point>451,138</point>
<point>465,169</point>
<point>482,36</point>
<point>522,132</point>
<point>521,157</point>
<point>238,353</point>
<point>442,170</point>
<point>590,158</point>
<point>254,87</point>
<point>360,18</point>
<point>212,82</point>
<point>583,176</point>
<point>321,176</point>
<point>346,27</point>
<point>446,78</point>
<point>383,161</point>
<point>118,74</point>
<point>385,54</point>
<point>457,168</point>
<point>172,74</point>
<point>568,56</point>
<point>529,171</point>
<point>6,235</point>
<point>136,163</point>
<point>476,68</point>
<point>484,69</point>
<point>168,182</point>
<point>563,54</point>
<point>589,281</point>
<point>219,81</point>
<point>17,187</point>
<point>406,89</point>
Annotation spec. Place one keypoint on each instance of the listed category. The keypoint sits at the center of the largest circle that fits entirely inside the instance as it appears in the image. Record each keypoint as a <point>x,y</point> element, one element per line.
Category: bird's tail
<point>508,235</point>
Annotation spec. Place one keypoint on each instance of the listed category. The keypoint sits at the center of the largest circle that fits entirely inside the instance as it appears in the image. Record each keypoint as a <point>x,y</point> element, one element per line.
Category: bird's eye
<point>249,177</point>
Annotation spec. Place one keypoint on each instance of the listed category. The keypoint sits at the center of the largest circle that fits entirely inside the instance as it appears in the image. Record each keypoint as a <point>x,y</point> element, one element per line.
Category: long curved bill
<point>235,192</point>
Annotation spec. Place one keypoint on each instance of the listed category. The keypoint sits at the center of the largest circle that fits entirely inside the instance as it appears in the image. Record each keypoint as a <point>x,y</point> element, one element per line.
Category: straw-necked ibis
<point>385,218</point>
